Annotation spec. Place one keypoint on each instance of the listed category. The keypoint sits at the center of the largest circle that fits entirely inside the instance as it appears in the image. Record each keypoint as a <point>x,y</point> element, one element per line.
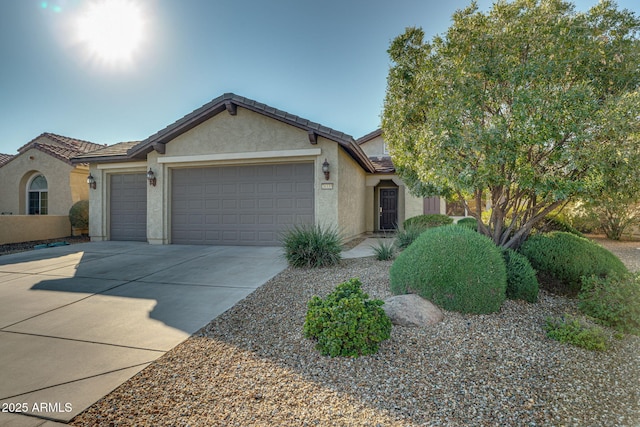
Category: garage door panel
<point>253,206</point>
<point>128,207</point>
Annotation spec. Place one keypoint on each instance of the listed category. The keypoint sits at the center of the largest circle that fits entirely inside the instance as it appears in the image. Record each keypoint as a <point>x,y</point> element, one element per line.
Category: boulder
<point>411,310</point>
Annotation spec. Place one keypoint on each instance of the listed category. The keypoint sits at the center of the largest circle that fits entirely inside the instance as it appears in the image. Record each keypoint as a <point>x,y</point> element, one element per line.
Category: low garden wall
<point>25,228</point>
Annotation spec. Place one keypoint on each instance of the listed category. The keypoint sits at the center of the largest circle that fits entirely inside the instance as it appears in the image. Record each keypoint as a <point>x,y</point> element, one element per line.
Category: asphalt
<point>78,321</point>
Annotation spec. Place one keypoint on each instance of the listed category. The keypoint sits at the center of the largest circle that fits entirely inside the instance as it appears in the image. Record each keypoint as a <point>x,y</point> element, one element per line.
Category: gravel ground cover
<point>11,248</point>
<point>252,367</point>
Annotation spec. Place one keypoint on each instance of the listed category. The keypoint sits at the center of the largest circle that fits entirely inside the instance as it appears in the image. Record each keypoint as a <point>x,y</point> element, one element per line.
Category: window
<point>38,196</point>
<point>385,149</point>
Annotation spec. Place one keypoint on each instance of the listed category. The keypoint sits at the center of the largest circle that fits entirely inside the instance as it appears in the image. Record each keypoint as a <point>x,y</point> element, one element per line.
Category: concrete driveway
<point>77,321</point>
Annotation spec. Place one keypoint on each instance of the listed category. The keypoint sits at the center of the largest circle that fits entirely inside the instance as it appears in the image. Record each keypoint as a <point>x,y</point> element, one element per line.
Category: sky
<point>323,60</point>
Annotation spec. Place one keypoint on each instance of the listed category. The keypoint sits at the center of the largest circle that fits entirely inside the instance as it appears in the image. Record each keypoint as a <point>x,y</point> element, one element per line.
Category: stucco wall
<point>352,198</point>
<point>245,132</point>
<point>25,228</point>
<point>374,147</point>
<point>246,138</point>
<point>63,183</point>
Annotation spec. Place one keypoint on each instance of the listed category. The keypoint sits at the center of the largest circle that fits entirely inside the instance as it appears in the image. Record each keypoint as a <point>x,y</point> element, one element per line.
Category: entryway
<point>388,208</point>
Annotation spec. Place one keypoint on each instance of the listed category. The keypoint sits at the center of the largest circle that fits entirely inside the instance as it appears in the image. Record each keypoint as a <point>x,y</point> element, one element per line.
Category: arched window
<point>38,196</point>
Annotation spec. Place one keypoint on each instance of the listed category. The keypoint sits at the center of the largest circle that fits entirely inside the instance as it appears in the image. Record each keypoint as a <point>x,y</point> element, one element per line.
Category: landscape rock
<point>411,310</point>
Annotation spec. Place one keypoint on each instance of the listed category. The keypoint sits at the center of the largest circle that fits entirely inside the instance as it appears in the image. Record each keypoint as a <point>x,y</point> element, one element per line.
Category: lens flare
<point>111,31</point>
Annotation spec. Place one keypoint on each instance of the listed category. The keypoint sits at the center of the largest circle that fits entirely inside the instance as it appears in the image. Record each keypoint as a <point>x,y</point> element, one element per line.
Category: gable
<point>246,131</point>
<point>229,104</point>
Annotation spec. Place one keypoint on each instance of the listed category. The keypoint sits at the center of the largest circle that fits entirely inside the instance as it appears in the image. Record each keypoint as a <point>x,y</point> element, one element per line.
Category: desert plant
<point>521,277</point>
<point>312,246</point>
<point>79,214</point>
<point>468,221</point>
<point>384,251</point>
<point>561,260</point>
<point>428,221</point>
<point>347,322</point>
<point>568,329</point>
<point>614,301</point>
<point>453,267</point>
<point>408,235</point>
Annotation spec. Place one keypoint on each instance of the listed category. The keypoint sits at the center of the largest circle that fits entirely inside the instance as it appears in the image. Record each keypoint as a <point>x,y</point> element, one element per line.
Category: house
<point>42,181</point>
<point>239,172</point>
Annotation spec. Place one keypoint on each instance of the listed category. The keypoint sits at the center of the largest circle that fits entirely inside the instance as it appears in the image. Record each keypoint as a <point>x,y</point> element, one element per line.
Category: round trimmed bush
<point>79,214</point>
<point>427,221</point>
<point>562,259</point>
<point>555,223</point>
<point>521,277</point>
<point>453,267</point>
<point>469,221</point>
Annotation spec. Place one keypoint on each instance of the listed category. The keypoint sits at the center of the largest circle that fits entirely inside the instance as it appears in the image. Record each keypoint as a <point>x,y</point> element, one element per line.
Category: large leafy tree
<point>512,105</point>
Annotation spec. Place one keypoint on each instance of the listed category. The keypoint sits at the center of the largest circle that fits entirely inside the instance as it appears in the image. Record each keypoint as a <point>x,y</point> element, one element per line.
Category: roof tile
<point>4,158</point>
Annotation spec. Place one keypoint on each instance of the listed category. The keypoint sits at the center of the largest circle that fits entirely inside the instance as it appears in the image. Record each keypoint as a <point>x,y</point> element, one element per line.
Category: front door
<point>388,208</point>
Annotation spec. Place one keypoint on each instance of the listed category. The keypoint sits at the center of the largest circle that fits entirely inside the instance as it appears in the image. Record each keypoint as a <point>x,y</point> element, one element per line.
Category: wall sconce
<point>91,181</point>
<point>151,177</point>
<point>325,169</point>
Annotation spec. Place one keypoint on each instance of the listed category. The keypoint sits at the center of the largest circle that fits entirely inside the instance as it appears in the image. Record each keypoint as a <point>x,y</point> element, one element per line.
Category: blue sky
<point>324,60</point>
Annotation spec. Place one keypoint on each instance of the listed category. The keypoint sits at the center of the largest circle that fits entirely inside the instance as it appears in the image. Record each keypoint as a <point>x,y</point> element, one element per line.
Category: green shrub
<point>384,251</point>
<point>521,277</point>
<point>428,221</point>
<point>408,235</point>
<point>79,214</point>
<point>469,221</point>
<point>347,322</point>
<point>312,246</point>
<point>556,223</point>
<point>453,267</point>
<point>561,260</point>
<point>614,301</point>
<point>568,329</point>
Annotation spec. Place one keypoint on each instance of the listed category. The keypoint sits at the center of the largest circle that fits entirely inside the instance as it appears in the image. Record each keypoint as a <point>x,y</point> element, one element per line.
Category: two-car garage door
<point>240,205</point>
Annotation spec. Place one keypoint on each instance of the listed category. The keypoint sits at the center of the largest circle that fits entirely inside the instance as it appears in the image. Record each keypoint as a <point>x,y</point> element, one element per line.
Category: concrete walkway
<point>77,321</point>
<point>365,248</point>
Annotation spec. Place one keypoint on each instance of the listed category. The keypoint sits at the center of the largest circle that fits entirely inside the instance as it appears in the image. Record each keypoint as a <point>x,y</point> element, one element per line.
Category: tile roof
<point>60,147</point>
<point>368,137</point>
<point>231,101</point>
<point>4,158</point>
<point>383,164</point>
<point>115,152</point>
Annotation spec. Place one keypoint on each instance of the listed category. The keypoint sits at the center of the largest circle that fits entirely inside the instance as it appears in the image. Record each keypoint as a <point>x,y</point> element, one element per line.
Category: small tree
<point>615,198</point>
<point>514,104</point>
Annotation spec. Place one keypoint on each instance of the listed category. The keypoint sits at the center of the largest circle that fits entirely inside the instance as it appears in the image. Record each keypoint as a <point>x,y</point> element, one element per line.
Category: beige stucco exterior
<point>26,228</point>
<point>348,200</point>
<point>66,183</point>
<point>351,192</point>
<point>246,138</point>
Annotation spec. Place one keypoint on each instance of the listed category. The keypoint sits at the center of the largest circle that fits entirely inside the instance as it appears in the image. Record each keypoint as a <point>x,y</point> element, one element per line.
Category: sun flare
<point>111,31</point>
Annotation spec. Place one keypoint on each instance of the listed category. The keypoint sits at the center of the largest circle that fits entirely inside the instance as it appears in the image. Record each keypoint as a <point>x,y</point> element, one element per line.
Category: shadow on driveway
<point>107,309</point>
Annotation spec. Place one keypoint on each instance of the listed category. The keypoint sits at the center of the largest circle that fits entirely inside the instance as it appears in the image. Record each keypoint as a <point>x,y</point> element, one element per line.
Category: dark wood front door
<point>388,208</point>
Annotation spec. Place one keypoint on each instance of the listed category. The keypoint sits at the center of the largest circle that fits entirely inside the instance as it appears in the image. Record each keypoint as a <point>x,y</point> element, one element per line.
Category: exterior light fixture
<point>91,181</point>
<point>325,169</point>
<point>151,177</point>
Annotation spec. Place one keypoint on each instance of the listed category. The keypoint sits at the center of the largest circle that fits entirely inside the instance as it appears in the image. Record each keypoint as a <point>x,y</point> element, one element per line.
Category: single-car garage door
<point>240,205</point>
<point>128,207</point>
